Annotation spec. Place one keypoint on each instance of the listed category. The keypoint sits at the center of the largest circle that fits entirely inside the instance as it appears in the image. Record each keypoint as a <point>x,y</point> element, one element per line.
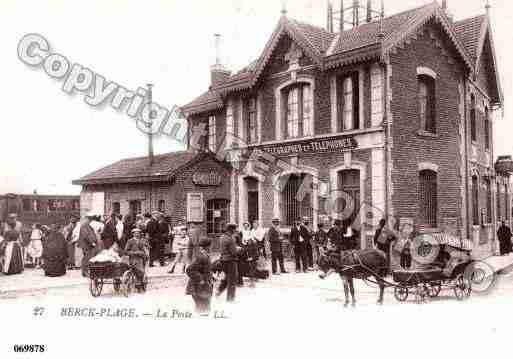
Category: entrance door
<point>252,187</point>
<point>349,182</point>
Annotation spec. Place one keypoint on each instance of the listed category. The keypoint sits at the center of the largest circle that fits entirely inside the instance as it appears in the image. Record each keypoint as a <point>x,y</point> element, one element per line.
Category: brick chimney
<point>218,73</point>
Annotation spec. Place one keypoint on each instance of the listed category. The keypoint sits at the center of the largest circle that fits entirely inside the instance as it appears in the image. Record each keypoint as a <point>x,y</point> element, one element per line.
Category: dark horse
<point>359,264</point>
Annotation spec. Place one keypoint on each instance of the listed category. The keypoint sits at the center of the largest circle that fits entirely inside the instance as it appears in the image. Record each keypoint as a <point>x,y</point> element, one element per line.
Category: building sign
<point>194,207</point>
<point>206,178</point>
<point>333,144</point>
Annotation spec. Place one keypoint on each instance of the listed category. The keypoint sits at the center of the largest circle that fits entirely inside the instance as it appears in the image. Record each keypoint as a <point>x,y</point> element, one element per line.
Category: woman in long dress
<point>55,253</point>
<point>11,254</point>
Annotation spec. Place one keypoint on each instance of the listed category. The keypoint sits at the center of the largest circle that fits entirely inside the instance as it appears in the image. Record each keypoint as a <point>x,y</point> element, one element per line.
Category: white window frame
<point>278,93</point>
<point>212,133</point>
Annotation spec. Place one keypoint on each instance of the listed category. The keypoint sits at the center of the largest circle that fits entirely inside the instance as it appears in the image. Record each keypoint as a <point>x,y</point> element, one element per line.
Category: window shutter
<point>356,100</point>
<point>195,207</point>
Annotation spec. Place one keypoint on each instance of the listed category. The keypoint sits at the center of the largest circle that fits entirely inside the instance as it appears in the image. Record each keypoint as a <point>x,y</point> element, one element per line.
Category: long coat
<point>109,235</point>
<point>274,240</point>
<point>200,283</point>
<point>55,254</point>
<point>504,236</point>
<point>193,247</point>
<point>87,237</point>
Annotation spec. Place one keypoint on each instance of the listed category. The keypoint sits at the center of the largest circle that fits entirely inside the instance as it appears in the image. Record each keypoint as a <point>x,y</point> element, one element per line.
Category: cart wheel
<point>128,282</point>
<point>434,289</point>
<point>117,285</point>
<point>95,286</point>
<point>401,293</point>
<point>462,287</point>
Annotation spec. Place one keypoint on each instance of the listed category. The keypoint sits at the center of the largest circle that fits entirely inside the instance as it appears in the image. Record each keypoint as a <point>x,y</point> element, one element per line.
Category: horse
<point>359,264</point>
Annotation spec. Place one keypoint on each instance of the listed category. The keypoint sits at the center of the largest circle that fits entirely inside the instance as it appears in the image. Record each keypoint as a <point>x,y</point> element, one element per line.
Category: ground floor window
<point>135,206</point>
<point>488,187</point>
<point>296,201</point>
<point>349,203</point>
<point>116,207</point>
<point>217,215</point>
<point>428,198</point>
<point>162,206</point>
<point>475,201</point>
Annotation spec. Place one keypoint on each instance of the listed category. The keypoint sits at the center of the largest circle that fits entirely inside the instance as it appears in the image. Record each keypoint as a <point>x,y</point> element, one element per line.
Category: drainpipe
<point>469,232</point>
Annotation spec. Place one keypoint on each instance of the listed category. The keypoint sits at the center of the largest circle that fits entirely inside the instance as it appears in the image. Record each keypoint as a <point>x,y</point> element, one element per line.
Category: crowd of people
<point>244,252</point>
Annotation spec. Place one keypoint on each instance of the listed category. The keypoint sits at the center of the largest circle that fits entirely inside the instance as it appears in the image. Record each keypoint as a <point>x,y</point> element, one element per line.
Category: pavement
<point>34,280</point>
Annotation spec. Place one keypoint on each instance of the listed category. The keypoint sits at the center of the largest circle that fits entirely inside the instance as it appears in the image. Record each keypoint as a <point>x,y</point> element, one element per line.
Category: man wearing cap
<point>70,241</point>
<point>229,254</point>
<point>88,242</point>
<point>275,241</point>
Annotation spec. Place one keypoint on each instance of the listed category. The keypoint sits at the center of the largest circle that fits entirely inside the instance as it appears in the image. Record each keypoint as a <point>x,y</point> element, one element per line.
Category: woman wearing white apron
<point>35,247</point>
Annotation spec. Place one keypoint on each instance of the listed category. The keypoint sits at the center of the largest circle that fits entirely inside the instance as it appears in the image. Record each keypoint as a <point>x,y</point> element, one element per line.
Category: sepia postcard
<point>244,178</point>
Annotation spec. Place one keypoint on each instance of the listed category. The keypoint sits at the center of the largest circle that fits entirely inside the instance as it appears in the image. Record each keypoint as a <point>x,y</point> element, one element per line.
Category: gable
<point>486,71</point>
<point>286,51</point>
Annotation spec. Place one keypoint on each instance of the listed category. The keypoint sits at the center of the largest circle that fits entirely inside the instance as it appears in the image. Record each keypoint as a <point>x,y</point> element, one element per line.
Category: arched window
<point>426,97</point>
<point>298,111</point>
<point>296,199</point>
<point>217,215</point>
<point>428,198</point>
<point>349,88</point>
<point>475,201</point>
<point>473,133</point>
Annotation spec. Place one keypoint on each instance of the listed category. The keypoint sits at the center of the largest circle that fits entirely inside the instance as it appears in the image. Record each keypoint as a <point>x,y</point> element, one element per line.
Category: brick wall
<point>428,50</point>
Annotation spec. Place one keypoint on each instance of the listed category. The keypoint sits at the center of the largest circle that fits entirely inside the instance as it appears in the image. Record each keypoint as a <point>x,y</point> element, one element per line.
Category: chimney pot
<point>218,73</point>
<point>444,4</point>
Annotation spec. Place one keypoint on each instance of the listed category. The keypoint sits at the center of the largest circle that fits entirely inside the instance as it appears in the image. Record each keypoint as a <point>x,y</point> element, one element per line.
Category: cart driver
<point>138,251</point>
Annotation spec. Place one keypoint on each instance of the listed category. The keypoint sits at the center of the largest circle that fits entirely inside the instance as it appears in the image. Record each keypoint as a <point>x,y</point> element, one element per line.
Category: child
<point>200,285</point>
<point>180,243</point>
<point>138,251</point>
<point>35,247</point>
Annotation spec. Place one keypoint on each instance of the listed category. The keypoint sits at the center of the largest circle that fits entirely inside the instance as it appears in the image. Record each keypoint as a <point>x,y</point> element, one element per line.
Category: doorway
<point>252,197</point>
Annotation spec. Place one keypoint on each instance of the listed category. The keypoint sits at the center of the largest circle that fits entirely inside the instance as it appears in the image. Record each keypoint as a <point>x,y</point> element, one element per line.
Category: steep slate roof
<point>132,170</point>
<point>361,43</point>
<point>469,31</point>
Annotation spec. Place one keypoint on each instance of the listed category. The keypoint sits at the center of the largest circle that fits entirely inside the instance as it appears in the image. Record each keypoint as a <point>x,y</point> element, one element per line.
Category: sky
<point>48,137</point>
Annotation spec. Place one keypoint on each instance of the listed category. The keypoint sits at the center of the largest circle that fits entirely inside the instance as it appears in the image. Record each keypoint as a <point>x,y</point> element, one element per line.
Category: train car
<point>43,209</point>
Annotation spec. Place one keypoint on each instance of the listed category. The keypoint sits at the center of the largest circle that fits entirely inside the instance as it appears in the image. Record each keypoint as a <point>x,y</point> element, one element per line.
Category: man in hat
<point>299,243</point>
<point>154,238</point>
<point>137,249</point>
<point>275,241</point>
<point>70,241</point>
<point>200,283</point>
<point>307,233</point>
<point>229,254</point>
<point>88,242</point>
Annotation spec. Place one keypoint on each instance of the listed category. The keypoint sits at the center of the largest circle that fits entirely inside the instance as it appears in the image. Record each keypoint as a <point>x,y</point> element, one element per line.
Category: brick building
<point>389,118</point>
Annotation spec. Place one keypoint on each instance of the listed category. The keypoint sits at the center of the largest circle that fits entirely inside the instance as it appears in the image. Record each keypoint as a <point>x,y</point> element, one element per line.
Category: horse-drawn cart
<point>447,271</point>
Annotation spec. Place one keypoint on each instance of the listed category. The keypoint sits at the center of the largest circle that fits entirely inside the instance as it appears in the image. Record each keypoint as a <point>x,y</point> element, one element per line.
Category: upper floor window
<point>229,125</point>
<point>487,129</point>
<point>52,205</point>
<point>349,102</point>
<point>251,121</point>
<point>299,111</point>
<point>376,96</point>
<point>473,133</point>
<point>426,98</point>
<point>212,133</point>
